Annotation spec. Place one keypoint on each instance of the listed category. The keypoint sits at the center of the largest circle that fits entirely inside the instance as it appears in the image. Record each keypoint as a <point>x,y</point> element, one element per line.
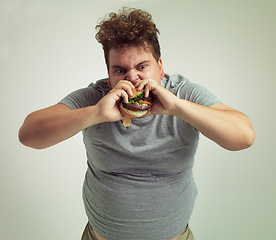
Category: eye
<point>120,71</point>
<point>143,66</point>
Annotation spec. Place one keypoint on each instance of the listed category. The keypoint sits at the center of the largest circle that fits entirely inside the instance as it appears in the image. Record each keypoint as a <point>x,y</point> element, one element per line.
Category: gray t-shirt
<point>139,183</point>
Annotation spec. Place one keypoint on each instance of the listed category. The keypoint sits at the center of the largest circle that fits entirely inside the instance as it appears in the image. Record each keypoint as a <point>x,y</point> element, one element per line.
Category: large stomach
<point>138,206</point>
<point>144,149</point>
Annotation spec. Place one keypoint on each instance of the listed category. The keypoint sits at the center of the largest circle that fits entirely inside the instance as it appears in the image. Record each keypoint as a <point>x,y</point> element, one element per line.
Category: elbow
<point>242,141</point>
<point>30,144</point>
<point>27,134</point>
<point>24,133</point>
<point>245,136</point>
<point>249,135</point>
<point>249,138</point>
<point>22,137</point>
<point>27,140</point>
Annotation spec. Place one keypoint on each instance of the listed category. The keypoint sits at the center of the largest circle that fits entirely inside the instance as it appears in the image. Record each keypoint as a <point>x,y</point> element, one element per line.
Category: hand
<point>165,101</point>
<point>108,106</point>
<point>125,85</point>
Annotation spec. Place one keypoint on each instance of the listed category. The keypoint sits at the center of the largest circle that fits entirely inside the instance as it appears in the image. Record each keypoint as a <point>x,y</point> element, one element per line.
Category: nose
<point>132,76</point>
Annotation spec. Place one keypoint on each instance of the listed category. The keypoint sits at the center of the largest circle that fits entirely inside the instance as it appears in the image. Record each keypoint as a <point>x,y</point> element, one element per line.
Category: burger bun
<point>130,113</point>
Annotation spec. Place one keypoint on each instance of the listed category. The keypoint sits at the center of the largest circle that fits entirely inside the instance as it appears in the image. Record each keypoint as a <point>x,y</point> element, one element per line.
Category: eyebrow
<point>141,63</point>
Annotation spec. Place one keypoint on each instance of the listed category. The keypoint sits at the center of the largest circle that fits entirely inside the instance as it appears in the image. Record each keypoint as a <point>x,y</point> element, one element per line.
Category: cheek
<point>158,73</point>
<point>113,81</point>
<point>109,83</point>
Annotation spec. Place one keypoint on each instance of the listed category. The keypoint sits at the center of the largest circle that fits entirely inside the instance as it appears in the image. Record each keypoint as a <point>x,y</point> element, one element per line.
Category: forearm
<point>47,127</point>
<point>227,127</point>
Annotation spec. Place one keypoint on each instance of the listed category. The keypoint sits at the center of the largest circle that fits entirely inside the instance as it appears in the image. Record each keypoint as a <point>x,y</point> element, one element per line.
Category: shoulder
<point>87,96</point>
<point>185,89</point>
<point>100,85</point>
<point>174,82</point>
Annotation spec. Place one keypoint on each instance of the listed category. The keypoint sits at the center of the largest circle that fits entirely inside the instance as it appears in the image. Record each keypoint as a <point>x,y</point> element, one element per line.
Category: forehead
<point>129,55</point>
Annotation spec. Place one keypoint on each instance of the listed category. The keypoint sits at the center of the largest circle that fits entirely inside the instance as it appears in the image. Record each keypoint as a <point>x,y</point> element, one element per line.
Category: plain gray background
<point>48,49</point>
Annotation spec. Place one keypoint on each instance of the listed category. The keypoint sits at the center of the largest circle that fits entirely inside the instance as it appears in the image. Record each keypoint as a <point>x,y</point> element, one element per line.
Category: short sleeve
<point>198,94</point>
<point>183,88</point>
<point>88,96</point>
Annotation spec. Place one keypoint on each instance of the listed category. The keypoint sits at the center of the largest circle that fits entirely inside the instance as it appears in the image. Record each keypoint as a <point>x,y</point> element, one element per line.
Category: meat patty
<point>139,107</point>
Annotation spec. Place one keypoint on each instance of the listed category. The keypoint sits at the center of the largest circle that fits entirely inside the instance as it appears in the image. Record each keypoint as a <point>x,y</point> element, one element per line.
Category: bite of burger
<point>138,105</point>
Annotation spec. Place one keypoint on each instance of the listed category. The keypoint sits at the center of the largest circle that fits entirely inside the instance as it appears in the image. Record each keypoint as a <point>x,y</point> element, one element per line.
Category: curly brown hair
<point>130,27</point>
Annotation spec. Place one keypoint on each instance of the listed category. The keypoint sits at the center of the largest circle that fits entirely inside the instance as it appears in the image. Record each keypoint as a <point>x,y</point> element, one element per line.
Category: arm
<point>227,127</point>
<point>46,127</point>
<point>49,126</point>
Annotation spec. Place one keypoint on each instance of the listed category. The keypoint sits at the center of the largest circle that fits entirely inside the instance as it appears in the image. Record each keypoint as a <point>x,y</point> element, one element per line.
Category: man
<point>139,182</point>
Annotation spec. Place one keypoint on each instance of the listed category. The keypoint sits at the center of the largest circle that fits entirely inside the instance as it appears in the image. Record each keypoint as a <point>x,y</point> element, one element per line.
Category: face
<point>133,63</point>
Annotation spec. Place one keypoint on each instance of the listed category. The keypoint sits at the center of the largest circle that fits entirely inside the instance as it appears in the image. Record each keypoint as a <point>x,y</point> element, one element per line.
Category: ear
<point>160,63</point>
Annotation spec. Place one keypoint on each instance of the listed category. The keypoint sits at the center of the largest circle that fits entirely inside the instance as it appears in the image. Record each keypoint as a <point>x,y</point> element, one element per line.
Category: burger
<point>138,105</point>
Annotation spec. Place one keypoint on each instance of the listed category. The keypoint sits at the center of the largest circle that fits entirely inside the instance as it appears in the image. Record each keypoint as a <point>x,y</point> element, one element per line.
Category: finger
<point>117,94</point>
<point>140,84</point>
<point>148,88</point>
<point>146,85</point>
<point>124,95</point>
<point>126,86</point>
<point>124,82</point>
<point>128,90</point>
